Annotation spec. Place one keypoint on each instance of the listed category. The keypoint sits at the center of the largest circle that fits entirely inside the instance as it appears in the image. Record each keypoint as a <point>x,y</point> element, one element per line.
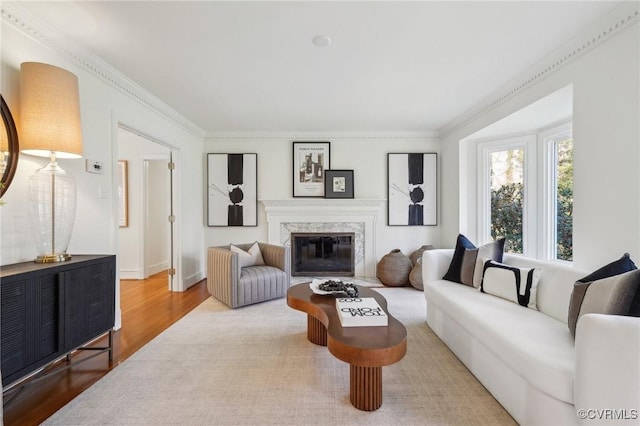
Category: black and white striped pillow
<point>517,285</point>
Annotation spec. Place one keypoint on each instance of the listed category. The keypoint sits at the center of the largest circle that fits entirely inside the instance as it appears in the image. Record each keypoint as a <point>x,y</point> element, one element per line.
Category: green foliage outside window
<point>564,206</point>
<point>507,197</point>
<point>507,206</point>
<point>506,215</point>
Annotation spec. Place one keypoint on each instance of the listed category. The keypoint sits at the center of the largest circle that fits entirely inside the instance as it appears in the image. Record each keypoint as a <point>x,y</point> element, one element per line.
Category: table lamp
<point>50,127</point>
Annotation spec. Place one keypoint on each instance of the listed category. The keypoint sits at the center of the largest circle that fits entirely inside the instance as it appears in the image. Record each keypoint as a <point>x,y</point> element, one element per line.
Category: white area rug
<point>255,366</point>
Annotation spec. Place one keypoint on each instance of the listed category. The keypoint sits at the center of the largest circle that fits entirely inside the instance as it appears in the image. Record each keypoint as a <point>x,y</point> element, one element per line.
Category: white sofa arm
<point>607,378</point>
<point>435,264</point>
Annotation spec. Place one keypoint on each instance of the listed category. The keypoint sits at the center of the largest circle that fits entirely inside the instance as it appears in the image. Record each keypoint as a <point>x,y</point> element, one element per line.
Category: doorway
<point>146,243</point>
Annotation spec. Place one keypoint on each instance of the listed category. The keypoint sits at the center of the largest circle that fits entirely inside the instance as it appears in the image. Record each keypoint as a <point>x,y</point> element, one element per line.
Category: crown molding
<point>623,17</point>
<point>321,136</point>
<point>24,21</point>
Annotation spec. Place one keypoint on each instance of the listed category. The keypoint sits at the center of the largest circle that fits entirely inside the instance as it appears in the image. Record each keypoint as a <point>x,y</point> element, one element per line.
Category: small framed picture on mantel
<point>338,184</point>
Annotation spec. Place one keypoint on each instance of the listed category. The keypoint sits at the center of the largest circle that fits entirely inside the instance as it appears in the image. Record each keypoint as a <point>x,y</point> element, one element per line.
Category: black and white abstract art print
<point>232,189</point>
<point>412,189</point>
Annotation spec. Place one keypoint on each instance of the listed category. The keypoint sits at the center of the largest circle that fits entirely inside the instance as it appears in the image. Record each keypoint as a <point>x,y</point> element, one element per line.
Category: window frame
<point>527,142</point>
<point>540,187</point>
<point>547,141</point>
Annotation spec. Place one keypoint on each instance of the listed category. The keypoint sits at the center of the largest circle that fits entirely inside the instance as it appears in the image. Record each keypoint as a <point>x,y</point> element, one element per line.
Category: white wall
<point>135,261</point>
<point>103,106</point>
<point>606,149</point>
<point>365,154</point>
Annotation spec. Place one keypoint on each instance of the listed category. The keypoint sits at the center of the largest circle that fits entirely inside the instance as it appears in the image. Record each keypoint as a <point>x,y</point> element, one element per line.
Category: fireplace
<point>322,254</point>
<point>285,217</point>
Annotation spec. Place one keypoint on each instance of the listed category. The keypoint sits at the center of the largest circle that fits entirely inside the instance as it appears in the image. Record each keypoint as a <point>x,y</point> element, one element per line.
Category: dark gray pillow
<point>463,264</point>
<point>614,295</point>
<point>617,267</point>
<point>455,267</point>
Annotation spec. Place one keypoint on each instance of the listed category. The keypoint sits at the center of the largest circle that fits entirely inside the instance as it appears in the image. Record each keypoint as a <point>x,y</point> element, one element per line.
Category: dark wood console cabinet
<point>49,310</point>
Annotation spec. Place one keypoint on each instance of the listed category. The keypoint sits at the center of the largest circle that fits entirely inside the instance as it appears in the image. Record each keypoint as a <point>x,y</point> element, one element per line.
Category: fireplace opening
<point>323,254</point>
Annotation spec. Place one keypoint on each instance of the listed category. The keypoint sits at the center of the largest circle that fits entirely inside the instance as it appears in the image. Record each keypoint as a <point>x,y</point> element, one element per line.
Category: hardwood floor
<point>147,307</point>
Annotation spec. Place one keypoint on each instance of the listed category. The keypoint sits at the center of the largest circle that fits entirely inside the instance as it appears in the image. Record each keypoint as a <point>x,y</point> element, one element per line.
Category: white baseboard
<point>158,267</point>
<point>193,279</point>
<point>131,274</point>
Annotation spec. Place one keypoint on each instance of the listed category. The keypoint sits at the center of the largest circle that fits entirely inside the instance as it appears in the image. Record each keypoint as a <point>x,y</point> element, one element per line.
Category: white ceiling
<point>251,66</point>
<point>550,110</point>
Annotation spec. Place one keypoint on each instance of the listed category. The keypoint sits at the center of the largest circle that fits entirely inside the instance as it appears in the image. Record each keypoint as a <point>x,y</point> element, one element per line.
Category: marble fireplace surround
<point>328,215</point>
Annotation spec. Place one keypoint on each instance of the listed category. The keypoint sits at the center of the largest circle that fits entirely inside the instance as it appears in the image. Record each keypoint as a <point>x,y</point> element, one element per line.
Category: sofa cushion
<point>613,295</point>
<point>250,257</point>
<point>534,345</point>
<point>518,285</point>
<point>464,262</point>
<point>490,251</point>
<point>617,267</point>
<point>555,284</point>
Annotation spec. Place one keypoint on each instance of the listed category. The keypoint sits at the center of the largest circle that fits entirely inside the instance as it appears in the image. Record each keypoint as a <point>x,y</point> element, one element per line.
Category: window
<point>525,193</point>
<point>506,181</point>
<point>505,188</point>
<point>558,146</point>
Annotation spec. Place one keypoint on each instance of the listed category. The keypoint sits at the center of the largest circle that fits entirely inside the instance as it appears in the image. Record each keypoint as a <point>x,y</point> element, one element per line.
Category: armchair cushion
<point>251,257</point>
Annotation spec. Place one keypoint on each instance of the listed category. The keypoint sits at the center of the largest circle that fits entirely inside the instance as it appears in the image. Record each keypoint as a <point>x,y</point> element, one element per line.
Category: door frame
<point>177,283</point>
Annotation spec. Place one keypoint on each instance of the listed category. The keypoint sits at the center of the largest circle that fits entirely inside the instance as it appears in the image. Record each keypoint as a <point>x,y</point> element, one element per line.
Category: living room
<point>599,61</point>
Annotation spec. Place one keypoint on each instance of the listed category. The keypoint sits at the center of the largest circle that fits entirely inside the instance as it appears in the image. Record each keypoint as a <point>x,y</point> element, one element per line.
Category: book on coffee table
<point>360,312</point>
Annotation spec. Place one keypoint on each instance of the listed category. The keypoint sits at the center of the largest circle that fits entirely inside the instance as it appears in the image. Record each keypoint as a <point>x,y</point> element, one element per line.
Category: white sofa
<point>527,358</point>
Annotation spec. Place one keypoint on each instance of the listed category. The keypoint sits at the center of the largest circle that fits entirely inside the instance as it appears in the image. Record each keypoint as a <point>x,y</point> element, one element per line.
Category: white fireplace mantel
<point>322,214</point>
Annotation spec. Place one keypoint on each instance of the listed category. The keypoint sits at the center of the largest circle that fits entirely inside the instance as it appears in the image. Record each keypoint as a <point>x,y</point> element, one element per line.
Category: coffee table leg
<point>366,387</point>
<point>316,331</point>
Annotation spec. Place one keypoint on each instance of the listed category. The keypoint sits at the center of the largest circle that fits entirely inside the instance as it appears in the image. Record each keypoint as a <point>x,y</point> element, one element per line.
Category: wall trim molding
<point>320,136</point>
<point>608,26</point>
<point>18,17</point>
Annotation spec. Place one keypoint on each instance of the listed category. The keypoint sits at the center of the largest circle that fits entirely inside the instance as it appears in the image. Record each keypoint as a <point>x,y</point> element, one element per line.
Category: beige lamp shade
<point>49,111</point>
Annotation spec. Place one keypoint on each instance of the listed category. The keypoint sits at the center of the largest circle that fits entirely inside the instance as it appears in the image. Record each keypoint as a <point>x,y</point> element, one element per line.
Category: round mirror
<point>8,148</point>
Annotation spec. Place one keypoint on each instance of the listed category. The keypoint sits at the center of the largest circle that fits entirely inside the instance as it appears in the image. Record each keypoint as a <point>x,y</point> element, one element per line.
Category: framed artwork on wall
<point>232,189</point>
<point>412,189</point>
<point>123,194</point>
<point>310,160</point>
<point>338,184</point>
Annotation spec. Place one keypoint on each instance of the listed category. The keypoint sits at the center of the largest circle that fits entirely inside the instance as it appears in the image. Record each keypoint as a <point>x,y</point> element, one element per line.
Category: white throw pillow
<point>251,257</point>
<point>518,285</point>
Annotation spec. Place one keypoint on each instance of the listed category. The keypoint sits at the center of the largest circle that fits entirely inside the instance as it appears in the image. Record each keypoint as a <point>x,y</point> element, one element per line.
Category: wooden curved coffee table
<point>366,349</point>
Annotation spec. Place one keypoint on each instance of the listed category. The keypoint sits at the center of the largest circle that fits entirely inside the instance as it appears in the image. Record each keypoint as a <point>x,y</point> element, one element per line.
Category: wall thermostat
<point>94,167</point>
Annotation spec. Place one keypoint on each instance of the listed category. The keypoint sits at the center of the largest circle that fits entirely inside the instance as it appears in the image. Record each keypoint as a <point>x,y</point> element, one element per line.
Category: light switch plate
<point>94,167</point>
